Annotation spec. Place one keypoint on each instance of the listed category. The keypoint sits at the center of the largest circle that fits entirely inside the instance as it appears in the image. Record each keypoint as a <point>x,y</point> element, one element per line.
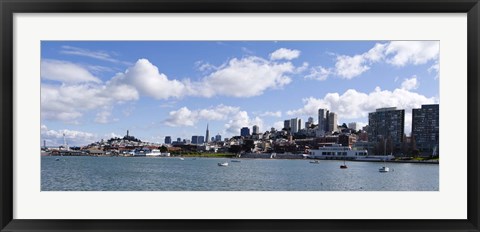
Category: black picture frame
<point>9,7</point>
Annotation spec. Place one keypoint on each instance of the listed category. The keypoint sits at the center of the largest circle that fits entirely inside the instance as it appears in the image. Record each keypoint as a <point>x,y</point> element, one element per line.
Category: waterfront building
<point>255,129</point>
<point>386,123</point>
<point>207,135</point>
<point>425,127</point>
<point>286,125</point>
<point>245,131</point>
<point>294,125</point>
<point>168,140</point>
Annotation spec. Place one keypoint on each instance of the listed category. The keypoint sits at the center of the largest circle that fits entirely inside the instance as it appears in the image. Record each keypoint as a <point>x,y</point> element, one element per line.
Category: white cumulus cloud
<point>354,104</point>
<point>401,53</point>
<point>72,137</point>
<point>410,84</point>
<point>396,53</point>
<point>234,118</point>
<point>246,77</point>
<point>187,117</point>
<point>319,73</point>
<point>285,54</point>
<point>147,79</point>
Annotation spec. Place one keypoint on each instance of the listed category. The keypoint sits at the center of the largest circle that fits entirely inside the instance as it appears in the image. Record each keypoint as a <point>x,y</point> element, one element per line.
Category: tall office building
<point>386,123</point>
<point>168,140</point>
<point>195,139</point>
<point>255,129</point>
<point>322,120</point>
<point>294,125</point>
<point>207,135</point>
<point>245,132</point>
<point>299,124</point>
<point>218,138</point>
<point>332,122</point>
<point>425,127</point>
<point>286,125</point>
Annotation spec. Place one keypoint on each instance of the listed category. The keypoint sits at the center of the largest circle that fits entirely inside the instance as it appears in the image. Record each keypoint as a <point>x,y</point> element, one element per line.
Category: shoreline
<point>240,158</point>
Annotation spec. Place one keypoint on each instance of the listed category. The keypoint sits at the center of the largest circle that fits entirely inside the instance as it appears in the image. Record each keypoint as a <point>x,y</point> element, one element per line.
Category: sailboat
<point>384,168</point>
<point>344,166</point>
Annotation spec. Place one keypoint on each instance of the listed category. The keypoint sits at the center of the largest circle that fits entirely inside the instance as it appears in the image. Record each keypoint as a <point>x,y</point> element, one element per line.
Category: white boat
<point>181,158</point>
<point>337,152</point>
<point>224,164</point>
<point>156,153</point>
<point>384,169</point>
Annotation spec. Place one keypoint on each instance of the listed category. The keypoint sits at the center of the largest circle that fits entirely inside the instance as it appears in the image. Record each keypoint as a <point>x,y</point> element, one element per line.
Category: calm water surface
<point>203,174</point>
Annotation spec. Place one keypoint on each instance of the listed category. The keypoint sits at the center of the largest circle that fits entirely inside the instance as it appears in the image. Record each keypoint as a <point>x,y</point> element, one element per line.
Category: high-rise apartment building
<point>386,123</point>
<point>425,127</point>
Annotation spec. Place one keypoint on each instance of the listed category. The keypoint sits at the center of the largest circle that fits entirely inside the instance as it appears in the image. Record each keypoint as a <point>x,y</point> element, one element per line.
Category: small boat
<point>384,169</point>
<point>181,158</point>
<point>315,162</point>
<point>235,160</point>
<point>344,165</point>
<point>224,164</point>
<point>57,159</point>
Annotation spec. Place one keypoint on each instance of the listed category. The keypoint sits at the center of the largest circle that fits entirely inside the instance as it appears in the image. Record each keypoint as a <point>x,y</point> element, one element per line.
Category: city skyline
<point>97,90</point>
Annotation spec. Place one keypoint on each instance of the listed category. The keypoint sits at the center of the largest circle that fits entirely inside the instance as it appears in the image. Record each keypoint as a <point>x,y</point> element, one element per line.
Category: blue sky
<point>98,89</point>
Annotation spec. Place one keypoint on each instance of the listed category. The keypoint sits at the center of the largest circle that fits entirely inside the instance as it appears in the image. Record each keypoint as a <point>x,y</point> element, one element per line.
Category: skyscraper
<point>168,140</point>
<point>201,139</point>
<point>425,127</point>
<point>286,124</point>
<point>386,123</point>
<point>194,139</point>
<point>207,135</point>
<point>332,122</point>
<point>245,131</point>
<point>218,138</point>
<point>255,129</point>
<point>299,124</point>
<point>321,120</point>
<point>294,125</point>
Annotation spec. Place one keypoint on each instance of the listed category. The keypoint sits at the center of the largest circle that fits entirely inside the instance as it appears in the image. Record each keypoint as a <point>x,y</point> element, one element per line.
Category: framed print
<point>261,116</point>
